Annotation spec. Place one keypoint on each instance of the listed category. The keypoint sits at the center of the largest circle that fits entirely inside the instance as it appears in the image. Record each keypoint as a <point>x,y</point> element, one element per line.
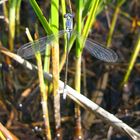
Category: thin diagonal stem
<point>42,91</point>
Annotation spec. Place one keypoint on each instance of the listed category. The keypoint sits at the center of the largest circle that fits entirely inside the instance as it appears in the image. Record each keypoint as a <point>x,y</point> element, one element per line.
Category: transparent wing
<point>28,50</point>
<point>98,51</point>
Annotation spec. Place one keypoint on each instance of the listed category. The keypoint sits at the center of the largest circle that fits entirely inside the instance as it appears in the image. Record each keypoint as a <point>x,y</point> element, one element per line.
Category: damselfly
<point>97,50</point>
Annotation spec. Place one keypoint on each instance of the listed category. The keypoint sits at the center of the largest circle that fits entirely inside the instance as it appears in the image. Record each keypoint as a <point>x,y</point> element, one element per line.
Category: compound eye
<point>68,15</point>
<point>65,16</point>
<point>72,15</point>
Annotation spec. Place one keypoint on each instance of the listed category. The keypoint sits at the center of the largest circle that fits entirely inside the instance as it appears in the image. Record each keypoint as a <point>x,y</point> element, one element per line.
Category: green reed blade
<point>78,128</point>
<point>113,22</point>
<point>40,16</point>
<point>18,17</point>
<point>91,17</point>
<point>12,19</point>
<point>132,61</point>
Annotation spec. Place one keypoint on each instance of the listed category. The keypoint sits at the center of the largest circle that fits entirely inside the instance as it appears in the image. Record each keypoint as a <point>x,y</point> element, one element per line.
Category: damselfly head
<point>69,15</point>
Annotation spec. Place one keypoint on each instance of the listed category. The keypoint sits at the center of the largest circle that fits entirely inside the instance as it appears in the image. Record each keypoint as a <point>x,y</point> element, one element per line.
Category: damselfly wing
<point>95,49</point>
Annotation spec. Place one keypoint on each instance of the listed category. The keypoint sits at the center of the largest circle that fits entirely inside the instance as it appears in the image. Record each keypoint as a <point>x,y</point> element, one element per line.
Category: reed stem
<point>132,61</point>
<point>44,96</point>
<point>55,67</point>
<point>18,17</point>
<point>91,18</point>
<point>78,127</point>
<point>40,16</point>
<point>63,58</point>
<point>114,21</point>
<point>12,18</point>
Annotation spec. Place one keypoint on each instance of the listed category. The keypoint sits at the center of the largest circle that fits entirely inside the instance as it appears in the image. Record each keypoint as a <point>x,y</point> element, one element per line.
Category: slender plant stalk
<point>113,23</point>
<point>48,30</point>
<point>47,59</point>
<point>47,67</point>
<point>94,10</point>
<point>91,18</point>
<point>12,18</point>
<point>132,61</point>
<point>42,90</point>
<point>18,17</point>
<point>55,46</point>
<point>44,97</point>
<point>55,66</point>
<point>63,58</point>
<point>87,7</point>
<point>6,17</point>
<point>112,27</point>
<point>11,37</point>
<point>5,12</point>
<point>40,16</point>
<point>55,53</point>
<point>78,127</point>
<point>63,5</point>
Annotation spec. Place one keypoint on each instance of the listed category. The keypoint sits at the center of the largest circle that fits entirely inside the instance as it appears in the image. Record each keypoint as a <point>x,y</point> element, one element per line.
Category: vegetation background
<point>31,106</point>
